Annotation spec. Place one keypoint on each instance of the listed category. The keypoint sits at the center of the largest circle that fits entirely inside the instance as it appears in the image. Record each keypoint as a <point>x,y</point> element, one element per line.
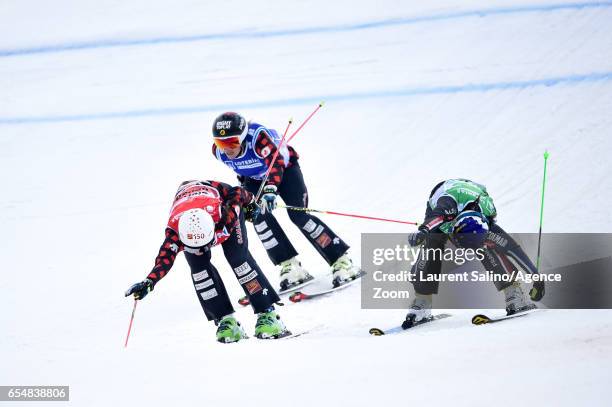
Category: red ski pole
<point>305,121</point>
<point>297,208</point>
<point>265,178</point>
<point>130,327</point>
<point>280,145</point>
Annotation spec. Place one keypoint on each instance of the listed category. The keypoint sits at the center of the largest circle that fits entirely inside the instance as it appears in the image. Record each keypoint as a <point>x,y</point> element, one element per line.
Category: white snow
<point>85,200</point>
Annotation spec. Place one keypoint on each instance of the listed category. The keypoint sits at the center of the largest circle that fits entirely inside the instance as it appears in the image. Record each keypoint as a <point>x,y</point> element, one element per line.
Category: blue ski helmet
<point>470,229</point>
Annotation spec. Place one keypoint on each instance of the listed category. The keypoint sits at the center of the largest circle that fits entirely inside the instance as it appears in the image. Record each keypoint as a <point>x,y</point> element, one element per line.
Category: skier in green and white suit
<point>463,211</point>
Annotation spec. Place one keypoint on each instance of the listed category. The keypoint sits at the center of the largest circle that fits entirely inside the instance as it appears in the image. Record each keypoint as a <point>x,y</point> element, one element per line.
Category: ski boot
<point>229,330</point>
<point>343,271</point>
<point>420,311</point>
<point>292,274</point>
<point>270,326</point>
<point>516,301</point>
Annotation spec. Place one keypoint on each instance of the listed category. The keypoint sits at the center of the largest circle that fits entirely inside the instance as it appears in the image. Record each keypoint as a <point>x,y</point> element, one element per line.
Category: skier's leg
<point>329,245</point>
<point>293,191</point>
<point>280,250</point>
<point>272,236</point>
<point>506,244</point>
<point>498,263</point>
<point>254,283</point>
<point>428,264</point>
<point>210,289</point>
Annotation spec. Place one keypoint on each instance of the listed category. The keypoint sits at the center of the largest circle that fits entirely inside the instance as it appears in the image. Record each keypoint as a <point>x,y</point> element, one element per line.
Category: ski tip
<point>376,332</point>
<point>297,296</point>
<point>480,319</point>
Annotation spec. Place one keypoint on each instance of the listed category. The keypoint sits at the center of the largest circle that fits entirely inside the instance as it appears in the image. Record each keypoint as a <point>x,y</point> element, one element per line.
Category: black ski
<point>402,328</point>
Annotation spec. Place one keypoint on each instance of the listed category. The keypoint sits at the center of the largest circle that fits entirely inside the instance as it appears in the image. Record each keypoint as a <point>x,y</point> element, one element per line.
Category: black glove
<point>251,212</point>
<point>537,291</point>
<point>140,290</point>
<point>417,238</point>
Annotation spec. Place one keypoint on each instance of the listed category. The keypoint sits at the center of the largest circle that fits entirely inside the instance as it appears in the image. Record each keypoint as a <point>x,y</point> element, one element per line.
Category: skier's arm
<point>163,264</point>
<point>239,196</point>
<point>444,211</point>
<point>231,196</point>
<point>265,147</point>
<point>165,258</point>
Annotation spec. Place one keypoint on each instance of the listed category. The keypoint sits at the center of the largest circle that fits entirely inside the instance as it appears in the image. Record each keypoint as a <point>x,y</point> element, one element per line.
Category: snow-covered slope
<point>106,106</point>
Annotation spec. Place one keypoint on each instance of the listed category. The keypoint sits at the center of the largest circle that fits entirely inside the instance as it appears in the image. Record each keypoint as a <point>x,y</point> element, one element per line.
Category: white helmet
<point>196,228</point>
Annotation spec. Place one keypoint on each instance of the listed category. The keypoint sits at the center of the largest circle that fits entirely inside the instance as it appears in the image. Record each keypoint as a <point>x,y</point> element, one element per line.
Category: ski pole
<point>298,208</point>
<point>265,178</point>
<point>278,148</point>
<point>541,211</point>
<point>130,327</point>
<point>305,121</point>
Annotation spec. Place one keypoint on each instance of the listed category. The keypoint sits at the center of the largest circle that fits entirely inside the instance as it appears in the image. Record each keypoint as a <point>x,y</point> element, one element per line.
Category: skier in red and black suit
<point>205,214</point>
<point>248,149</point>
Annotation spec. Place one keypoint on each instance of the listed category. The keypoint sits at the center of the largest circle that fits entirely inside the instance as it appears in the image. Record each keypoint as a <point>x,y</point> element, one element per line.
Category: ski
<point>289,335</point>
<point>299,296</point>
<point>284,335</point>
<point>481,319</point>
<point>400,328</point>
<point>297,334</point>
<point>244,301</point>
<point>293,288</point>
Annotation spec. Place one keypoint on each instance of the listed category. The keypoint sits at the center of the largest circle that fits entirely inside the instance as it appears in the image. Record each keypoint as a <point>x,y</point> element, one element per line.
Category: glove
<point>140,290</point>
<point>268,199</point>
<point>251,212</point>
<point>417,238</point>
<point>537,291</point>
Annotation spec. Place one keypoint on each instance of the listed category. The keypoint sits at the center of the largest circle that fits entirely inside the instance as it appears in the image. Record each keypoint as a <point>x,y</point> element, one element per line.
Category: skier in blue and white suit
<point>248,149</point>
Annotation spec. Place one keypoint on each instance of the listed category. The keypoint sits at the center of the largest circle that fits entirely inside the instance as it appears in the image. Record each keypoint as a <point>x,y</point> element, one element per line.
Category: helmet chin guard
<point>196,228</point>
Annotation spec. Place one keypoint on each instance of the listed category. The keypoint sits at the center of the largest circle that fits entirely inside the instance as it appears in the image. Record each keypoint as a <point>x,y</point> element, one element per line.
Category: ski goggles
<point>230,142</point>
<point>227,143</point>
